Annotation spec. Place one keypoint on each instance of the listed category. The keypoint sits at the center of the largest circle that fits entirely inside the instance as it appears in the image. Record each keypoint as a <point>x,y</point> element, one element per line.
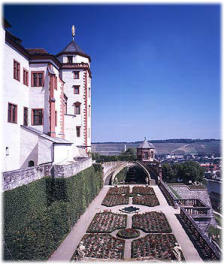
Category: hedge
<point>39,215</point>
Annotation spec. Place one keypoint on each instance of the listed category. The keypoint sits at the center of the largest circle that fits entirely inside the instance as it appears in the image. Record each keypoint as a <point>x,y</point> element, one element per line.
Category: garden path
<point>68,246</point>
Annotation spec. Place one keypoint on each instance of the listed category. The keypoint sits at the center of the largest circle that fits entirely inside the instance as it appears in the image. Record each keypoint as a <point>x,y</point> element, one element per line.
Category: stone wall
<point>206,249</point>
<point>65,171</point>
<point>16,178</point>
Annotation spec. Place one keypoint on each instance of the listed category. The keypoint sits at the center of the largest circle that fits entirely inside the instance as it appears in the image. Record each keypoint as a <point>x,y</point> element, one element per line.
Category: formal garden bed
<point>100,246</point>
<point>151,222</point>
<point>154,246</point>
<point>119,190</point>
<point>128,233</point>
<point>148,200</point>
<point>107,222</point>
<point>143,190</point>
<point>113,200</point>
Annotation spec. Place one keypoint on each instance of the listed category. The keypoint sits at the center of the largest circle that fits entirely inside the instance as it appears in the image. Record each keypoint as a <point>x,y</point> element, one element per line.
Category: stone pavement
<point>68,246</point>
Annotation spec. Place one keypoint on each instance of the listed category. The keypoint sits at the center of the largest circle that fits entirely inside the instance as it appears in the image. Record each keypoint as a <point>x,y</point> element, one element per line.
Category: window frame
<point>10,117</point>
<point>77,104</point>
<point>68,59</point>
<point>25,121</point>
<point>78,75</point>
<point>16,70</point>
<point>25,77</point>
<point>78,131</point>
<point>38,81</point>
<point>76,87</point>
<point>32,117</point>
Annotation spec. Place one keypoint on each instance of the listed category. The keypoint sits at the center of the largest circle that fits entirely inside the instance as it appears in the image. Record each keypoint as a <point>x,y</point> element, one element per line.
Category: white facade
<point>25,142</point>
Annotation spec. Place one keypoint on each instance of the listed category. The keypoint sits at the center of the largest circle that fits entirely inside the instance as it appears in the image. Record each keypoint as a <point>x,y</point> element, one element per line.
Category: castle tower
<point>146,151</point>
<point>75,72</point>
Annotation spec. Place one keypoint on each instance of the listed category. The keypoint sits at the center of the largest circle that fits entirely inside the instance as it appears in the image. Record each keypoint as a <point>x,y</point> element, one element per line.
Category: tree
<point>129,154</point>
<point>189,171</point>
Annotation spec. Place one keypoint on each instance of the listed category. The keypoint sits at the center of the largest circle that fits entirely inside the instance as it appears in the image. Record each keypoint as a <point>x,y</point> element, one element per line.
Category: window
<point>31,163</point>
<point>76,74</point>
<point>25,77</point>
<point>145,154</point>
<point>37,79</point>
<point>70,58</point>
<point>89,92</point>
<point>25,116</point>
<point>78,129</point>
<point>16,70</point>
<point>77,108</point>
<point>12,113</point>
<point>76,89</point>
<point>37,117</point>
<point>56,118</point>
<point>89,112</point>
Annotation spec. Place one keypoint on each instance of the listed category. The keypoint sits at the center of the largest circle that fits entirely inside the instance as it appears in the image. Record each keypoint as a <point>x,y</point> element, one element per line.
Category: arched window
<point>152,154</point>
<point>77,108</point>
<point>31,163</point>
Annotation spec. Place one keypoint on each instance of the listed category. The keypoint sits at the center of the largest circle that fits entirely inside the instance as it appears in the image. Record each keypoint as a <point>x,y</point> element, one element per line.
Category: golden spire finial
<point>73,32</point>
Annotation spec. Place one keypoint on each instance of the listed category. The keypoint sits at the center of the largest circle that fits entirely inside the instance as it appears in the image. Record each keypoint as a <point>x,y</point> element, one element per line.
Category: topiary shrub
<point>128,233</point>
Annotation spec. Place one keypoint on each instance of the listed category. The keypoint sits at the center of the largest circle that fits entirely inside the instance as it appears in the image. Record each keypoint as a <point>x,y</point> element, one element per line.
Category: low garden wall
<point>65,171</point>
<point>39,215</point>
<point>16,178</point>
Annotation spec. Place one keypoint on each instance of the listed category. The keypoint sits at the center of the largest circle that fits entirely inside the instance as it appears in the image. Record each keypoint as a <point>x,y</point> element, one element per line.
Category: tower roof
<point>73,48</point>
<point>145,145</point>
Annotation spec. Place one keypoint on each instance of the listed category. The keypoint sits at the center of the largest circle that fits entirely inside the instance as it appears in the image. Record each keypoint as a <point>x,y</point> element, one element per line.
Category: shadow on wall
<point>33,156</point>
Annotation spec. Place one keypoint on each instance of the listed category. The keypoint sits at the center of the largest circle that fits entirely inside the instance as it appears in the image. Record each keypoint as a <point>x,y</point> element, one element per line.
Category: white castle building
<point>46,104</point>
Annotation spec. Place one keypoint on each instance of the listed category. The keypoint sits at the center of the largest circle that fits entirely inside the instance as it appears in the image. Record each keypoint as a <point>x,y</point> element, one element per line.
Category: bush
<point>24,203</point>
<point>39,215</point>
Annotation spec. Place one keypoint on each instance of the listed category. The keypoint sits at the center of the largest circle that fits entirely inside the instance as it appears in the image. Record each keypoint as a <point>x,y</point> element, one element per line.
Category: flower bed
<point>158,246</point>
<point>128,233</point>
<point>107,222</point>
<point>113,200</point>
<point>102,246</point>
<point>119,190</point>
<point>151,222</point>
<point>143,190</point>
<point>148,200</point>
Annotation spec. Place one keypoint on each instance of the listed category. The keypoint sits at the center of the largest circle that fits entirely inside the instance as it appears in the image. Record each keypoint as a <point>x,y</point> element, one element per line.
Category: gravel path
<point>68,246</point>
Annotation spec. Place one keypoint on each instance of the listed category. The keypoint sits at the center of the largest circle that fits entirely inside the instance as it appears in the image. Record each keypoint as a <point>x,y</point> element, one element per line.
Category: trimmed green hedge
<point>24,203</point>
<point>38,216</point>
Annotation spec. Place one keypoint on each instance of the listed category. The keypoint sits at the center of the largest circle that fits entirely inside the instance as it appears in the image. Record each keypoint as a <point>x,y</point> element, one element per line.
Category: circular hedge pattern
<point>128,233</point>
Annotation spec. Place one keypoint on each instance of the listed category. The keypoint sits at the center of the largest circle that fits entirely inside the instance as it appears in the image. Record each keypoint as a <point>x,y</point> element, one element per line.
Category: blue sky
<point>155,68</point>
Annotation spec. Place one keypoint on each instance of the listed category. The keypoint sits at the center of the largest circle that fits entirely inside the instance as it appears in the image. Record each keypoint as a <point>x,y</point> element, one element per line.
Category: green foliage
<point>186,171</point>
<point>39,215</point>
<point>38,239</point>
<point>128,155</point>
<point>23,203</point>
<point>215,234</point>
<point>120,177</point>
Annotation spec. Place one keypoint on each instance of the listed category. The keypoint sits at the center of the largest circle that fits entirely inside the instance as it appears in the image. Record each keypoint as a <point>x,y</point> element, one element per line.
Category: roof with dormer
<point>73,48</point>
<point>146,145</point>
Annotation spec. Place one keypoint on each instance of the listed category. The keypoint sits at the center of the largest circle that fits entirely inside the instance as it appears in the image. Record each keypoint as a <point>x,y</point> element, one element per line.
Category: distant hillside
<point>176,146</point>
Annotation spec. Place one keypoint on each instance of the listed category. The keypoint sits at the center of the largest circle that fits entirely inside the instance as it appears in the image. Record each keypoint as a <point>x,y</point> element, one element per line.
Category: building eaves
<point>39,133</point>
<point>73,48</point>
